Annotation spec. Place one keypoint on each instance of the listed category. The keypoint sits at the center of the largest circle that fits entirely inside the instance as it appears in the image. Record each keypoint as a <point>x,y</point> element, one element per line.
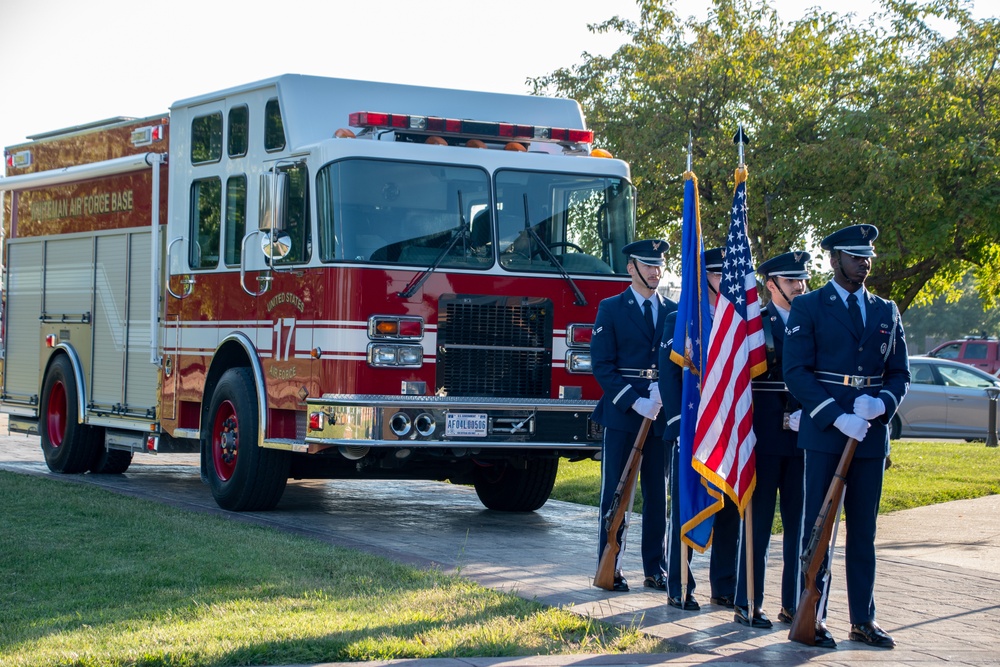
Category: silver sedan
<point>946,399</point>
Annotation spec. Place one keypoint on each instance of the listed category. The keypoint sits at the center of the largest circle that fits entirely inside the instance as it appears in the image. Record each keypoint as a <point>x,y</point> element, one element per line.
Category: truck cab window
<point>206,219</point>
<point>297,214</point>
<point>239,131</point>
<point>206,139</point>
<point>236,217</point>
<point>274,128</point>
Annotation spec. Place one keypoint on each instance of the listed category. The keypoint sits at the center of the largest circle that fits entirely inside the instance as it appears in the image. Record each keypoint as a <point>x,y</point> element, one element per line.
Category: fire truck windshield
<point>583,221</point>
<point>411,213</point>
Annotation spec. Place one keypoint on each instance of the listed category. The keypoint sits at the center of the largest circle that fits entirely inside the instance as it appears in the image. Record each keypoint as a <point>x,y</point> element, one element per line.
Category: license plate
<point>465,425</point>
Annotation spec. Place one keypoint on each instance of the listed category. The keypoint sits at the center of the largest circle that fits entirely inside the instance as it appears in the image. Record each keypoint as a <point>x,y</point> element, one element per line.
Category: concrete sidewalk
<point>937,588</point>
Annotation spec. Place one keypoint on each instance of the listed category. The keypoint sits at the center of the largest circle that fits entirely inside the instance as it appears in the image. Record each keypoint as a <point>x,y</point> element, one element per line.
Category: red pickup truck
<point>979,351</point>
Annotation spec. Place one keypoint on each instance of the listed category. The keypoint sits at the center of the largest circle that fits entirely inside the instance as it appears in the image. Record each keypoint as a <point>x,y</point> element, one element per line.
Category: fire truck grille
<point>494,346</point>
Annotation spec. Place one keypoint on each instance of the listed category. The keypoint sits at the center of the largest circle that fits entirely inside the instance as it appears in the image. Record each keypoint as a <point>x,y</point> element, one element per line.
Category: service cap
<point>714,259</point>
<point>856,240</point>
<point>791,265</point>
<point>647,251</point>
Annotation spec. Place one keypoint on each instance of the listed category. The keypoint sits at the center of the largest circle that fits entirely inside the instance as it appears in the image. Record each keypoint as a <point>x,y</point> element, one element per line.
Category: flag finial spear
<point>740,139</point>
<point>690,148</point>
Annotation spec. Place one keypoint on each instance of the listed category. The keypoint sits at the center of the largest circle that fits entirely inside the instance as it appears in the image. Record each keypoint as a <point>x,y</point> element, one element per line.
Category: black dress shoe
<point>871,634</point>
<point>786,615</point>
<point>690,604</point>
<point>657,581</point>
<point>723,601</point>
<point>823,637</point>
<point>760,619</point>
<point>620,584</point>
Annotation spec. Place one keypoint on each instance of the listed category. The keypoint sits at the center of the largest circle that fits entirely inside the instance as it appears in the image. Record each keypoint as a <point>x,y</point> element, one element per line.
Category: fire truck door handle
<point>264,280</point>
<point>188,282</point>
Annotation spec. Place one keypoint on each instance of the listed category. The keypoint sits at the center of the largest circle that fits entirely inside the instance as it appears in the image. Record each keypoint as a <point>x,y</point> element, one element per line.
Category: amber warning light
<point>468,128</point>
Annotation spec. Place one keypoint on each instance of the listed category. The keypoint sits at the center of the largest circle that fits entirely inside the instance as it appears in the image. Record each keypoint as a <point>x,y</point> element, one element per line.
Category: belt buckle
<point>647,373</point>
<point>858,381</point>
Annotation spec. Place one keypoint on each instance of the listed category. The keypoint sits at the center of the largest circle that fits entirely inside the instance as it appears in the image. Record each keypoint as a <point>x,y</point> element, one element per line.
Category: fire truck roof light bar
<point>469,128</point>
<point>80,172</point>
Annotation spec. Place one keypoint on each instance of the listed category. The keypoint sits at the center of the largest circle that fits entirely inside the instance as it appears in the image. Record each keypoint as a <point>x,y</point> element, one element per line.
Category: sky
<point>67,62</point>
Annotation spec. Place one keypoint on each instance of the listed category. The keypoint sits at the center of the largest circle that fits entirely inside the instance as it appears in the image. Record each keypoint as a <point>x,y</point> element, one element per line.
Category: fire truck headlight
<point>395,355</point>
<point>410,355</point>
<point>578,362</point>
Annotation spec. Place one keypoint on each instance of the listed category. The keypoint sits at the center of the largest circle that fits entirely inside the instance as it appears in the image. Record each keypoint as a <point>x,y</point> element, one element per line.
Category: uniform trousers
<point>674,583</point>
<point>862,493</point>
<point>725,544</point>
<point>777,477</point>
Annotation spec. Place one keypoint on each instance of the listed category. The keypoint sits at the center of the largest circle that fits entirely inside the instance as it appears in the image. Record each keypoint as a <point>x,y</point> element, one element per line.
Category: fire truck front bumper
<point>431,421</point>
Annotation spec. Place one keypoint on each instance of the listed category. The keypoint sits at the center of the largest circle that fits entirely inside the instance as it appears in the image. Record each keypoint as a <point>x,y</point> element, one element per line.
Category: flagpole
<point>684,546</point>
<point>740,139</point>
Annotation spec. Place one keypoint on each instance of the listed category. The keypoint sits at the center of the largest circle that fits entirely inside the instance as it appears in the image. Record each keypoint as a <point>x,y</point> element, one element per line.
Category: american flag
<point>724,437</point>
<point>697,503</point>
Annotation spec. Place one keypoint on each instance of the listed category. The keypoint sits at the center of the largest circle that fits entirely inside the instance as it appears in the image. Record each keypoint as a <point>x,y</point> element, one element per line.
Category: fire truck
<point>309,277</point>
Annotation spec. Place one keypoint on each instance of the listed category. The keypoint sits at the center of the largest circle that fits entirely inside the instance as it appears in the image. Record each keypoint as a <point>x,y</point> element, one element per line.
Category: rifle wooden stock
<point>622,503</point>
<point>804,622</point>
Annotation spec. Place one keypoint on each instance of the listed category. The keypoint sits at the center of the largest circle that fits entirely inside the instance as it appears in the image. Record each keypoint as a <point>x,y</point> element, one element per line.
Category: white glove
<point>868,407</point>
<point>647,408</point>
<point>852,426</point>
<point>794,419</point>
<point>654,393</point>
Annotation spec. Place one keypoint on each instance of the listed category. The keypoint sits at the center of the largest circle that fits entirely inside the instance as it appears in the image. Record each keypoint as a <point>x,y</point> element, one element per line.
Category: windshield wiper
<point>461,233</point>
<point>580,299</point>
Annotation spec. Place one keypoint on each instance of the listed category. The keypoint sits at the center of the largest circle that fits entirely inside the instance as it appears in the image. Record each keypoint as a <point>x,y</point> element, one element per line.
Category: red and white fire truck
<point>309,277</point>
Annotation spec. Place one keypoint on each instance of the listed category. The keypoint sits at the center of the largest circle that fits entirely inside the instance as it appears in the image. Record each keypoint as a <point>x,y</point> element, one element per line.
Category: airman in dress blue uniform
<point>845,361</point>
<point>626,337</point>
<point>779,461</point>
<point>726,522</point>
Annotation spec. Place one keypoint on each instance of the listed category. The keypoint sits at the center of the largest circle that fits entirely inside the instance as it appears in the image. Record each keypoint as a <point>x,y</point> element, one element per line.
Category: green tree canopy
<point>950,316</point>
<point>883,121</point>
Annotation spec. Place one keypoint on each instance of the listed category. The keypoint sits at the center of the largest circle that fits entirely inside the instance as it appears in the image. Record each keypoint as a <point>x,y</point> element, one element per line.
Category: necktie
<point>855,312</point>
<point>647,313</point>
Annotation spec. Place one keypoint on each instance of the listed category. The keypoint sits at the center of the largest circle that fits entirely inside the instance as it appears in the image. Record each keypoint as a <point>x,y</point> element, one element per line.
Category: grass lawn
<point>922,473</point>
<point>91,578</point>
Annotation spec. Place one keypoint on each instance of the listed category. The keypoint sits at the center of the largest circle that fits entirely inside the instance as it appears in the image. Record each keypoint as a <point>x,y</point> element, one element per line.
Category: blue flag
<point>691,333</point>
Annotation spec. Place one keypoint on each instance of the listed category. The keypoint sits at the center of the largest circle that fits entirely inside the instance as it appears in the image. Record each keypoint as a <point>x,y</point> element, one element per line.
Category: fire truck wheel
<point>505,488</point>
<point>111,462</point>
<point>243,476</point>
<point>68,446</point>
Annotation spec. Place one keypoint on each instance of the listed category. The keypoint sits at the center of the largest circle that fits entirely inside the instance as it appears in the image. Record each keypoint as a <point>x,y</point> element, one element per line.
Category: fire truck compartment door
<point>24,307</point>
<point>122,373</point>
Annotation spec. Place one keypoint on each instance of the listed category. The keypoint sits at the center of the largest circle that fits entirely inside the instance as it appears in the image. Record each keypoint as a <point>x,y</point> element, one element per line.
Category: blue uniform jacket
<point>820,338</point>
<point>621,340</point>
<point>769,402</point>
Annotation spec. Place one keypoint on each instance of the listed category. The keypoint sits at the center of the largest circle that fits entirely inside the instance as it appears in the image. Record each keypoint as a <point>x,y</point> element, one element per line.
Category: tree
<point>884,121</point>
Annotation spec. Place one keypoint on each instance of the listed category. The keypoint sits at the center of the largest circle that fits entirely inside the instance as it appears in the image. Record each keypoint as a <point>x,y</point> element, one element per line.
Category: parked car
<point>947,399</point>
<point>979,351</point>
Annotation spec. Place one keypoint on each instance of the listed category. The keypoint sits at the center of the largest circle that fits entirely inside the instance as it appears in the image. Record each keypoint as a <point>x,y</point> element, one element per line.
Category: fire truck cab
<point>308,277</point>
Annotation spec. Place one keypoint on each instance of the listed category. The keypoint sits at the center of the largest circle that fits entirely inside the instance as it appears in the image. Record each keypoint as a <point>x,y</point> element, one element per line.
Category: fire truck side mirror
<point>273,200</point>
<point>275,244</point>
